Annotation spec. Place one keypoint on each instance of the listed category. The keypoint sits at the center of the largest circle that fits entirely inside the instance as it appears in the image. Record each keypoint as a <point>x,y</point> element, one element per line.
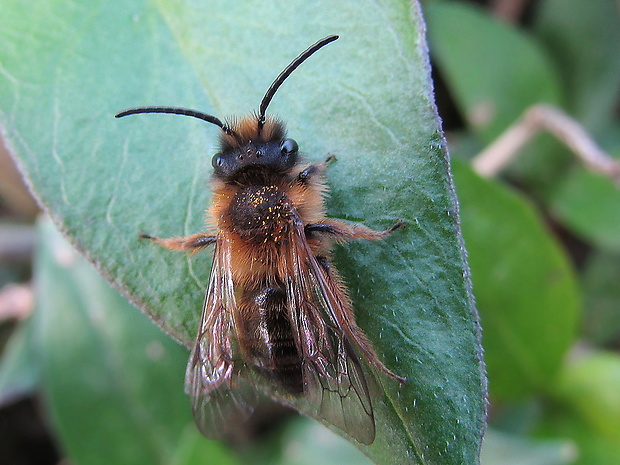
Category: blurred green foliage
<point>544,258</point>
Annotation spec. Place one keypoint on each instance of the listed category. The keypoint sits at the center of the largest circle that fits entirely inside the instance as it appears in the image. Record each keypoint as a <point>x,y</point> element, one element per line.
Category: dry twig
<point>506,147</point>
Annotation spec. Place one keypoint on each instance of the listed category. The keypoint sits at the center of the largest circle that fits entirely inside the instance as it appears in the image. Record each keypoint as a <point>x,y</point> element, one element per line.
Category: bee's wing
<point>220,398</point>
<point>335,384</point>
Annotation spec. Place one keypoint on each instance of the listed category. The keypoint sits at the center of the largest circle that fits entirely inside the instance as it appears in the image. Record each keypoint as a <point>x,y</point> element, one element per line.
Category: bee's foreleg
<point>342,232</point>
<point>187,244</point>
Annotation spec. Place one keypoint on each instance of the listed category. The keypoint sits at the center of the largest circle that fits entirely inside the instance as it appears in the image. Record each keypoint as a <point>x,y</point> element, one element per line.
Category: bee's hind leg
<point>193,243</point>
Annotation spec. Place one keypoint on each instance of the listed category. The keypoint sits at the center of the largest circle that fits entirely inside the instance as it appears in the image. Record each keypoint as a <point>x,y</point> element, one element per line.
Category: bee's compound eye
<point>217,161</point>
<point>289,146</point>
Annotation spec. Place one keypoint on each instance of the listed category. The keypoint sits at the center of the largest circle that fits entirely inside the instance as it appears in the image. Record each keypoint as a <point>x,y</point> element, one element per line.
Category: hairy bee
<point>276,312</point>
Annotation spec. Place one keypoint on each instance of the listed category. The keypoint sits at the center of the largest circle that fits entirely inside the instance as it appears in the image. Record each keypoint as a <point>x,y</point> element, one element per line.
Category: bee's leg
<point>345,317</point>
<point>343,232</point>
<point>343,312</point>
<point>187,244</point>
<point>313,170</point>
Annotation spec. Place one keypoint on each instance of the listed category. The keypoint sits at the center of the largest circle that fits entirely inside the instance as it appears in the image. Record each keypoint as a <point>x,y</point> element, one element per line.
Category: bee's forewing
<point>335,382</point>
<point>221,398</point>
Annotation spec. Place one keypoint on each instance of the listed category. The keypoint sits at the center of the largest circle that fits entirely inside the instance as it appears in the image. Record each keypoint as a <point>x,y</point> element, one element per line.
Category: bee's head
<point>255,140</point>
<point>250,144</point>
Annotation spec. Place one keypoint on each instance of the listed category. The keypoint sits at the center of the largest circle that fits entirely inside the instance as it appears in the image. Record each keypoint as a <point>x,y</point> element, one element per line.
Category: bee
<point>276,314</point>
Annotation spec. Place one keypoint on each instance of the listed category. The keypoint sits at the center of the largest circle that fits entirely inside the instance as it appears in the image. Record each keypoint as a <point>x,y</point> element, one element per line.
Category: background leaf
<point>582,38</point>
<point>526,290</point>
<point>308,443</point>
<point>20,371</point>
<point>192,449</point>
<point>367,99</point>
<point>587,407</point>
<point>109,375</point>
<point>601,295</point>
<point>494,70</point>
<point>505,449</point>
<point>590,205</point>
<point>597,373</point>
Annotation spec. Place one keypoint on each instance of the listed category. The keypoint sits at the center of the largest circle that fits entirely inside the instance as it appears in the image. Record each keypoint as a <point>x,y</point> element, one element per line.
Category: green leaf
<point>366,98</point>
<point>592,448</point>
<point>582,38</point>
<point>507,449</point>
<point>589,204</point>
<point>587,407</point>
<point>194,449</point>
<point>494,71</point>
<point>589,384</point>
<point>602,297</point>
<point>307,444</point>
<point>525,289</point>
<point>113,382</point>
<point>20,370</point>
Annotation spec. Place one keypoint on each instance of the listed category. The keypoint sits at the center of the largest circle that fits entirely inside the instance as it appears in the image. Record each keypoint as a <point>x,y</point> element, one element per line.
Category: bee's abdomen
<point>266,338</point>
<point>260,213</point>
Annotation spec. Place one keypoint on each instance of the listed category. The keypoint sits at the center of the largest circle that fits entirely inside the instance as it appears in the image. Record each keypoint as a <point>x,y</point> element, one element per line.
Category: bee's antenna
<point>181,111</point>
<point>286,73</point>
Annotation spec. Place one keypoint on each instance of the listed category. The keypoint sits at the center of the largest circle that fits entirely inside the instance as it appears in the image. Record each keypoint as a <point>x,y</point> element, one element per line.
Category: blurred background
<point>528,91</point>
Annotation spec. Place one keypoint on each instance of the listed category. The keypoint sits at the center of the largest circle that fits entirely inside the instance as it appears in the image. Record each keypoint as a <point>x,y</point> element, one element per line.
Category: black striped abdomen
<point>266,337</point>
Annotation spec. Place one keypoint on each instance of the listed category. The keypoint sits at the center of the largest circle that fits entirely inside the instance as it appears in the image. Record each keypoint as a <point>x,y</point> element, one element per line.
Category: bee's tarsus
<point>398,224</point>
<point>330,157</point>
